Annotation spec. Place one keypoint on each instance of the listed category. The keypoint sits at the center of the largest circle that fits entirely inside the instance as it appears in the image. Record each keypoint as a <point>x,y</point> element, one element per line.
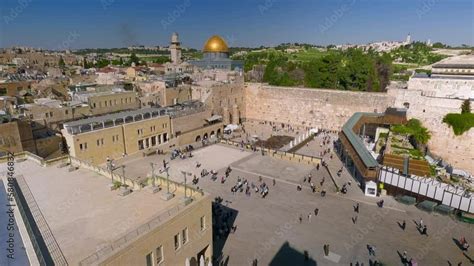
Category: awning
<point>214,118</point>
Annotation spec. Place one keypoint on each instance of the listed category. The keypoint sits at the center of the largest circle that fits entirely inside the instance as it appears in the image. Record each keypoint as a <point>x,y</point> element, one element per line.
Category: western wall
<point>330,109</point>
<point>321,108</point>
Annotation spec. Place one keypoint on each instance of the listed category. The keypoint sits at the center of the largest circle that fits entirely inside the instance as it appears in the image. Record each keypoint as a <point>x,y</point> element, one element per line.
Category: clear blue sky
<point>118,23</point>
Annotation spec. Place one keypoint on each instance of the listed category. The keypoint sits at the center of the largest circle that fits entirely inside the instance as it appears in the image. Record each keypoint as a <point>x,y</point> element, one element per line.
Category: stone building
<point>52,113</point>
<point>84,223</point>
<point>143,130</point>
<point>176,66</point>
<point>115,135</point>
<point>224,97</point>
<point>16,136</point>
<point>13,88</point>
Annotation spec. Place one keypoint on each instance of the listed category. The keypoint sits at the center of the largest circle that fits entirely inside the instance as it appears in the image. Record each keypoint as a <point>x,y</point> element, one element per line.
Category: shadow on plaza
<point>288,255</point>
<point>224,218</point>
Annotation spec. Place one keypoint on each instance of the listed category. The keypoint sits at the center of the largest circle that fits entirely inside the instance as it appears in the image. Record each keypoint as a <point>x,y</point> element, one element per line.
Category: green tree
<point>134,59</point>
<point>85,63</point>
<point>102,63</point>
<point>466,107</point>
<point>439,45</point>
<point>61,62</point>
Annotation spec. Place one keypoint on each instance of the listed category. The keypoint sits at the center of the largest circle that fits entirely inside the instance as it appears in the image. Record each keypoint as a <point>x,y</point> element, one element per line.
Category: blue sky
<point>118,23</point>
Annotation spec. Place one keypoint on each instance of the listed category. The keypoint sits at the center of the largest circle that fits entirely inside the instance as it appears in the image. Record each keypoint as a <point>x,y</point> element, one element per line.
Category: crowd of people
<point>224,218</point>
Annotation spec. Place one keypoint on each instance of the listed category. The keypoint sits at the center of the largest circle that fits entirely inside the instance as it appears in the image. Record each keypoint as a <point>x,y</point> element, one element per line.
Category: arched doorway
<point>205,136</point>
<point>212,134</point>
<point>218,132</point>
<point>198,138</point>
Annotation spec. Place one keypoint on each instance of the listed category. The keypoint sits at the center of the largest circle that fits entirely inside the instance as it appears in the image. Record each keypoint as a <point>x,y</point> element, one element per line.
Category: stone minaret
<point>408,40</point>
<point>175,49</point>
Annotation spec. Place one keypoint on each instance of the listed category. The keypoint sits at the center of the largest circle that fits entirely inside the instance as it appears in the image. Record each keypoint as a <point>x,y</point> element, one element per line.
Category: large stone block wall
<point>457,150</point>
<point>321,108</point>
<point>330,109</point>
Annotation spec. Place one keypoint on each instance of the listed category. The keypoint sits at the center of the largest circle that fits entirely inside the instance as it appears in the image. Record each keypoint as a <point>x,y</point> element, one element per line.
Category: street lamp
<point>110,167</point>
<point>153,174</point>
<point>186,198</point>
<point>167,195</point>
<point>123,175</point>
<point>154,188</point>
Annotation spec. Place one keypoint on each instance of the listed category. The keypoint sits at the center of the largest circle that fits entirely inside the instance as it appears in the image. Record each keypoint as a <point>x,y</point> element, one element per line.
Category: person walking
<point>370,249</point>
<point>301,218</point>
<point>309,217</point>
<point>316,211</point>
<point>274,181</point>
<point>326,249</point>
<point>404,225</point>
<point>405,257</point>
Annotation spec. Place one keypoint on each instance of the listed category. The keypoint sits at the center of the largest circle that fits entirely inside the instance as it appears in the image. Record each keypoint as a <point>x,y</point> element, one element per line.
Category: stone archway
<point>212,134</point>
<point>218,132</point>
<point>198,138</point>
<point>205,136</point>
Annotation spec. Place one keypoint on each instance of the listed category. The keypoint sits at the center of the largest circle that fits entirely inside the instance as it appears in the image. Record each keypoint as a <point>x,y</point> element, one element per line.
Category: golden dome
<point>216,44</point>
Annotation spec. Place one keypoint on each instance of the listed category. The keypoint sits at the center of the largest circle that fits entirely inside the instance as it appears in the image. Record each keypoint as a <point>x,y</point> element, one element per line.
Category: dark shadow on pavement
<point>287,255</point>
<point>401,225</point>
<point>457,243</point>
<point>471,260</point>
<point>224,218</point>
<point>402,260</point>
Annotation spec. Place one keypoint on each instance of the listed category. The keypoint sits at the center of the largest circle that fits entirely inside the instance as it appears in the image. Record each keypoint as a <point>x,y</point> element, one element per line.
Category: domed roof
<point>215,44</point>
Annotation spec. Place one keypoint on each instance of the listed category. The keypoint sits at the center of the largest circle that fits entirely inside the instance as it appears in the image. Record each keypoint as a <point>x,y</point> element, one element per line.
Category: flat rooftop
<point>83,215</point>
<point>113,119</point>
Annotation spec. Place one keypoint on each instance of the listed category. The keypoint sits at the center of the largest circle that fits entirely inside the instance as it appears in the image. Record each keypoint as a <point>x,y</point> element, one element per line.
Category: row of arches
<point>210,135</point>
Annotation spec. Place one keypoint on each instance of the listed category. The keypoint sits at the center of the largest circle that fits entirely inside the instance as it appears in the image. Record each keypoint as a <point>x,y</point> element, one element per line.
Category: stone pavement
<point>269,229</point>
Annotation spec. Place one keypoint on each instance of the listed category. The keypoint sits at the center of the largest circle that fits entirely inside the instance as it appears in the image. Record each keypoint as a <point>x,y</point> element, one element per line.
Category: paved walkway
<point>269,230</point>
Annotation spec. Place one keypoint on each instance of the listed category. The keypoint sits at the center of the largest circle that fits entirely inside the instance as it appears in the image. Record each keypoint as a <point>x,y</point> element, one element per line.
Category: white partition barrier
<point>464,206</point>
<point>439,194</point>
<point>431,192</point>
<point>416,186</point>
<point>423,189</point>
<point>447,198</point>
<point>401,181</point>
<point>447,194</point>
<point>408,184</point>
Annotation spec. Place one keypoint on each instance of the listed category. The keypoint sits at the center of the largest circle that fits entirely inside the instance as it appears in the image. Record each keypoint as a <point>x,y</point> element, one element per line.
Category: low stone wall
<point>292,157</point>
<point>35,158</point>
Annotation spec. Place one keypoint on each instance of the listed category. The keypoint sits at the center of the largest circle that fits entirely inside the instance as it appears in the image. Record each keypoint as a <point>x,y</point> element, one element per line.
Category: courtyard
<point>269,229</point>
